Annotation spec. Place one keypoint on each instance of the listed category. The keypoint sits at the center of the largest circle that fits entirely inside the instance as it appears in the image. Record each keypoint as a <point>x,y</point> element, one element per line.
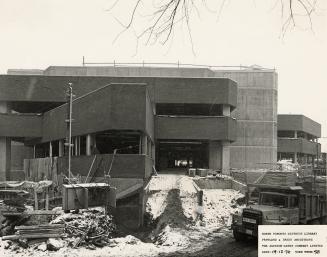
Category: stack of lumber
<point>39,231</point>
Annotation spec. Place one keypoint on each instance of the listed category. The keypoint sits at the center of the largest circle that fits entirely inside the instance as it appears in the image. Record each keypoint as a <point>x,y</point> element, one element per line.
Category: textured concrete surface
<point>299,123</point>
<point>256,112</point>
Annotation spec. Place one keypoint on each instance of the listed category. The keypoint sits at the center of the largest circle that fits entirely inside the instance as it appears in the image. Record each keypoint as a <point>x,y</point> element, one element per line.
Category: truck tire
<point>238,236</point>
<point>314,222</point>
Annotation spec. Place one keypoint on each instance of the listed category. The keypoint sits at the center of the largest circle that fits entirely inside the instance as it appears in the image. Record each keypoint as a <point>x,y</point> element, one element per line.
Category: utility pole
<point>69,125</point>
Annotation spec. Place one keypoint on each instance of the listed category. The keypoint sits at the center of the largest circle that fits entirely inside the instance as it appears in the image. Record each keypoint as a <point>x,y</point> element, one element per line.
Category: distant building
<point>173,118</point>
<point>298,138</point>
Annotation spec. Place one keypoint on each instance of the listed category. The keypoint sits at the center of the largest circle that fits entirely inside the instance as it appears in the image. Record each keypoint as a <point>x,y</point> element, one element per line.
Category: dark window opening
<point>124,142</point>
<point>190,109</point>
<point>42,150</point>
<point>285,133</point>
<point>55,148</point>
<point>82,146</point>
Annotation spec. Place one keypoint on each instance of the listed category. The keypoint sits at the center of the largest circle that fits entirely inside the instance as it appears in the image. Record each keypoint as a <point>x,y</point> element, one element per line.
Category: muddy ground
<point>219,247</point>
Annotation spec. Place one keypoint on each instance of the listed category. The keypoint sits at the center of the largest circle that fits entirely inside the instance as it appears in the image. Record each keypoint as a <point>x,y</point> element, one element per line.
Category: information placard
<point>292,240</point>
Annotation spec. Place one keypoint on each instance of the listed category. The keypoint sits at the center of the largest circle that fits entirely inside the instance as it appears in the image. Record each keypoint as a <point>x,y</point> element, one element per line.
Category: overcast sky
<point>40,33</point>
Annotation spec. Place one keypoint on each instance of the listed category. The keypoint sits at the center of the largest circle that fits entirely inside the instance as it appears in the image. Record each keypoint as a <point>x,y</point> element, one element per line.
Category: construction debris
<point>179,220</point>
<point>87,227</point>
<point>40,231</point>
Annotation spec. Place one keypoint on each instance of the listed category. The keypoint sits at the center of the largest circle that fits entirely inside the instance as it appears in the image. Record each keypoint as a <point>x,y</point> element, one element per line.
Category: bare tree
<point>166,14</point>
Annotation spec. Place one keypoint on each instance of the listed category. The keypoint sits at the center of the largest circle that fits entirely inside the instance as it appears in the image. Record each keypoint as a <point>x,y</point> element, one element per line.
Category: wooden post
<point>36,203</point>
<point>47,198</point>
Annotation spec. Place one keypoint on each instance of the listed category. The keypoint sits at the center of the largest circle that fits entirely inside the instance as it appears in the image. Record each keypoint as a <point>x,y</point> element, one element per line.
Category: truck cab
<point>276,206</point>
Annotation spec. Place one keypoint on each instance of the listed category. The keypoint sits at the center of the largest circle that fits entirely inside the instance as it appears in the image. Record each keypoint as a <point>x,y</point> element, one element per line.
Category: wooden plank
<point>47,198</point>
<point>42,212</point>
<point>36,232</point>
<point>36,207</point>
<point>40,226</point>
<point>16,237</point>
<point>36,212</point>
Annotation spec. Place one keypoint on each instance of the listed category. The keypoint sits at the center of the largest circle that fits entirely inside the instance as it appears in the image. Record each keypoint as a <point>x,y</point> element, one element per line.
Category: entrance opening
<point>181,155</point>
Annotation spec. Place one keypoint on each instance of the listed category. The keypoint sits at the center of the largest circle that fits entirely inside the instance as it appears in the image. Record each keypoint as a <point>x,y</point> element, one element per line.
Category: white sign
<point>292,240</point>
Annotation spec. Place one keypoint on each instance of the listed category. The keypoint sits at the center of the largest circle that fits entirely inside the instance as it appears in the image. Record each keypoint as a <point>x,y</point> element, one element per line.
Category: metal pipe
<point>70,88</point>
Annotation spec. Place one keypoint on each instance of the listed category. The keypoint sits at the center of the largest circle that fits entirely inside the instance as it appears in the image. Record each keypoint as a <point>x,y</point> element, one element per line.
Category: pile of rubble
<point>89,228</point>
<point>92,228</point>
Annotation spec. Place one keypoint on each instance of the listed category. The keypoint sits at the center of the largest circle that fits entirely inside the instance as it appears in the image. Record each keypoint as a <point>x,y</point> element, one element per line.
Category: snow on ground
<point>218,205</point>
<point>163,182</point>
<point>159,187</point>
<point>287,165</point>
<point>172,202</point>
<point>125,246</point>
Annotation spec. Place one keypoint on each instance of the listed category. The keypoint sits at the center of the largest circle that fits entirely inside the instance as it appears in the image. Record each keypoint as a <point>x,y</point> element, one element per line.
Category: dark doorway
<point>181,155</point>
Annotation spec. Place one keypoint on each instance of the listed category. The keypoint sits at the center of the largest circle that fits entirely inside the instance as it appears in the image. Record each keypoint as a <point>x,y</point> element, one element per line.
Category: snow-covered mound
<point>218,205</point>
<point>173,203</point>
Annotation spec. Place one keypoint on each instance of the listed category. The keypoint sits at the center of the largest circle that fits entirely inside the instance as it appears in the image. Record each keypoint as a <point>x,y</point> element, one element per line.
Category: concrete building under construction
<point>298,138</point>
<point>170,118</point>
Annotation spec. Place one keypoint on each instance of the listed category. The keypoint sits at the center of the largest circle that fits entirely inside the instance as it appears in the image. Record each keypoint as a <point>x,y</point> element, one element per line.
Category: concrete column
<point>50,149</point>
<point>313,161</point>
<point>61,148</point>
<point>88,144</point>
<point>280,157</point>
<point>295,134</point>
<point>295,157</point>
<point>214,155</point>
<point>5,158</point>
<point>225,158</point>
<point>5,148</point>
<point>153,154</point>
<point>226,110</point>
<point>144,144</point>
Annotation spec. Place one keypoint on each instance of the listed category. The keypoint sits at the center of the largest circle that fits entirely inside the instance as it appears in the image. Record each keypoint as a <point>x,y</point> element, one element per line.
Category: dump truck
<point>279,205</point>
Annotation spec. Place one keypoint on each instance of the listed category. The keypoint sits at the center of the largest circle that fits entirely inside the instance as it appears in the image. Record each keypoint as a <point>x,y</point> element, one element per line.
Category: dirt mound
<point>173,205</point>
<point>172,223</point>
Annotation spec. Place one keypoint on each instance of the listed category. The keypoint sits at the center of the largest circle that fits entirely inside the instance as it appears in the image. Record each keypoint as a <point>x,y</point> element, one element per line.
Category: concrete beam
<point>214,155</point>
<point>61,148</point>
<point>225,158</point>
<point>5,148</point>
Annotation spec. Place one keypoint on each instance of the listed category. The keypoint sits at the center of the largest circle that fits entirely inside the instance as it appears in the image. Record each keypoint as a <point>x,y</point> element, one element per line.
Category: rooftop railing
<point>177,65</point>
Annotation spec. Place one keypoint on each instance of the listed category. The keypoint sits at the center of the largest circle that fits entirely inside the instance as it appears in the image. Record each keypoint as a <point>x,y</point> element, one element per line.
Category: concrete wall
<point>299,145</point>
<point>124,165</point>
<point>149,119</point>
<point>215,155</point>
<point>195,127</point>
<point>256,114</point>
<point>53,89</point>
<point>299,123</point>
<point>115,107</point>
<point>20,125</point>
<point>193,90</point>
<point>126,71</point>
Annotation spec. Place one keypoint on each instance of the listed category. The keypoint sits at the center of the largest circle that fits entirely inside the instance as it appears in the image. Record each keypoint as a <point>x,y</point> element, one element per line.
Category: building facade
<point>256,114</point>
<point>298,138</point>
<point>170,118</point>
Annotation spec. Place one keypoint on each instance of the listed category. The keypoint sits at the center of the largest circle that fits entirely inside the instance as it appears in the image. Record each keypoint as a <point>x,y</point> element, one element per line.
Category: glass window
<point>274,200</point>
